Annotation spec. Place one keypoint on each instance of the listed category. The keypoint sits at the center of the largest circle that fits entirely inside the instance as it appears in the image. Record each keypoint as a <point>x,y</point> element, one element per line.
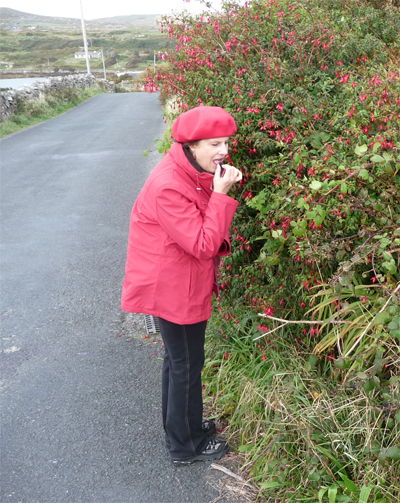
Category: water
<point>17,83</point>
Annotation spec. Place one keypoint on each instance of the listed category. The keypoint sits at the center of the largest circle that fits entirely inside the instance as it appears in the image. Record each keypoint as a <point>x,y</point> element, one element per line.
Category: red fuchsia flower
<point>374,279</point>
<point>269,311</point>
<point>226,355</point>
<point>280,106</point>
<point>364,299</point>
<point>330,357</point>
<point>263,357</point>
<point>303,304</point>
<point>304,331</point>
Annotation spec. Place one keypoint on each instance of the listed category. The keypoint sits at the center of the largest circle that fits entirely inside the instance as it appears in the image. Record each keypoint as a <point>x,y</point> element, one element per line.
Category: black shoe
<point>215,449</point>
<point>208,427</point>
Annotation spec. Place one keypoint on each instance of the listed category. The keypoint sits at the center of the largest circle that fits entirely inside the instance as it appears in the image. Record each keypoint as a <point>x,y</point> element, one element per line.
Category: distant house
<point>92,54</point>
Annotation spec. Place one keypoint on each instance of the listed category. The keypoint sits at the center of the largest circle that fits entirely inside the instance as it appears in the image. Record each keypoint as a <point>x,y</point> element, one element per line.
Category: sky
<point>94,9</point>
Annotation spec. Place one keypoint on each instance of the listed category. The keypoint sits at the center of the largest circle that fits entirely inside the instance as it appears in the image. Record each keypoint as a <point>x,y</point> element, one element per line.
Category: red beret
<point>203,122</point>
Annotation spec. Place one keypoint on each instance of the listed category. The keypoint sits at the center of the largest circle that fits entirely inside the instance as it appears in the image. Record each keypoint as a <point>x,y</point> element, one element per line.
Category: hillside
<point>46,44</point>
<point>11,19</point>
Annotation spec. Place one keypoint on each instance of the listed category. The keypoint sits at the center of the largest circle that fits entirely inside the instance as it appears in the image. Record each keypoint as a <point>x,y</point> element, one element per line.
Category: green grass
<point>302,435</point>
<point>31,113</point>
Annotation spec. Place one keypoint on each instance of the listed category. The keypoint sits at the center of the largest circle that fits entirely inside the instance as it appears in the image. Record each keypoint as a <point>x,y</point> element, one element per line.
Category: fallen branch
<point>230,473</point>
<point>270,331</point>
<point>299,322</point>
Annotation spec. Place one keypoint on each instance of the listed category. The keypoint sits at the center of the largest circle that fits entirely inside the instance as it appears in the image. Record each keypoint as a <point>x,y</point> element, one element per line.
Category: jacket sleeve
<point>225,248</point>
<point>199,235</point>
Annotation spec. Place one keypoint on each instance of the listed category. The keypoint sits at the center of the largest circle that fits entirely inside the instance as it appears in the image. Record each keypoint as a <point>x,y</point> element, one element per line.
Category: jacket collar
<point>204,179</point>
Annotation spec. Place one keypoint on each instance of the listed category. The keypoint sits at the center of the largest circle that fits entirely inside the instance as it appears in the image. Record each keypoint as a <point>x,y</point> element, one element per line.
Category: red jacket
<point>178,227</point>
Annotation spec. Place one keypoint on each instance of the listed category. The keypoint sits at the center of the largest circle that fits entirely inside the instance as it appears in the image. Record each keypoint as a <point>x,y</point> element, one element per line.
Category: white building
<point>92,54</point>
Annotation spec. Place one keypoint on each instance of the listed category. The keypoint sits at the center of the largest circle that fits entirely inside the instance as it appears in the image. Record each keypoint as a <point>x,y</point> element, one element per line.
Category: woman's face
<point>209,153</point>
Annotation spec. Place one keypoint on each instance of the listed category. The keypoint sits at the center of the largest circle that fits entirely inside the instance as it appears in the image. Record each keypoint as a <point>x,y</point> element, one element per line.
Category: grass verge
<point>301,432</point>
<point>29,113</point>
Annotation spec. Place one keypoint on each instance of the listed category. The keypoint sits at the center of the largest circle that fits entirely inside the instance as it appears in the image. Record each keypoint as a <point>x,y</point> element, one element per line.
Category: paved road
<point>80,405</point>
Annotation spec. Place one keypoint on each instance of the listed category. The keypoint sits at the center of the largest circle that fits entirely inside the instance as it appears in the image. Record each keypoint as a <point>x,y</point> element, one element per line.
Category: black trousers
<point>182,399</point>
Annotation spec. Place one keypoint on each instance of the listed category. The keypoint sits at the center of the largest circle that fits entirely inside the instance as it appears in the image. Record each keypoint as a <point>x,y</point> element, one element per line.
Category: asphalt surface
<point>81,414</point>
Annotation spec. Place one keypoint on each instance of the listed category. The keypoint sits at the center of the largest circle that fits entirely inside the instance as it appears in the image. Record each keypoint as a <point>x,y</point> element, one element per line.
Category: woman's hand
<point>223,183</point>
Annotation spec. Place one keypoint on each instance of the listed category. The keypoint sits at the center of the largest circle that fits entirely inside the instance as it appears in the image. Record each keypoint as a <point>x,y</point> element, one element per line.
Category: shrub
<point>315,90</point>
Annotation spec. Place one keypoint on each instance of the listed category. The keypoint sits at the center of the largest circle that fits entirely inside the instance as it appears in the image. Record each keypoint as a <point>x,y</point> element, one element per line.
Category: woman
<point>179,229</point>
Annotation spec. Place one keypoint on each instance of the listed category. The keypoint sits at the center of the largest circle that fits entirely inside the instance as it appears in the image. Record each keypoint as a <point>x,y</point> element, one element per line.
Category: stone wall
<point>38,90</point>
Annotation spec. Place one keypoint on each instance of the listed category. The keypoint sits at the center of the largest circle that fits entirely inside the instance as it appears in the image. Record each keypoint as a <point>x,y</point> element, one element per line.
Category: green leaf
<point>318,221</point>
<point>389,169</point>
<point>377,158</point>
<point>145,153</point>
<point>315,185</point>
<point>314,477</point>
<point>270,485</point>
<point>382,318</point>
<point>343,188</point>
<point>390,266</point>
<point>364,494</point>
<point>321,494</point>
<point>394,453</point>
<point>341,363</point>
<point>299,231</point>
<point>369,385</point>
<point>360,149</point>
<point>332,493</point>
<point>350,485</point>
<point>364,174</point>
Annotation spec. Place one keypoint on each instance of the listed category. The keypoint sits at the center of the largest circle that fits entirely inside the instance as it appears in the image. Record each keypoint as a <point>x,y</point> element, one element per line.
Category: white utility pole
<point>85,40</point>
<point>104,65</point>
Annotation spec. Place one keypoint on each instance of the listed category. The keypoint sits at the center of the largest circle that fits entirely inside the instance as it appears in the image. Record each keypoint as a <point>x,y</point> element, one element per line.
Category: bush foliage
<point>315,90</point>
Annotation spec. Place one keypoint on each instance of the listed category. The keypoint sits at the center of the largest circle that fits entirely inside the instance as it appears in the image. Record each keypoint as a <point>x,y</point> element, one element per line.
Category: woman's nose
<point>224,150</point>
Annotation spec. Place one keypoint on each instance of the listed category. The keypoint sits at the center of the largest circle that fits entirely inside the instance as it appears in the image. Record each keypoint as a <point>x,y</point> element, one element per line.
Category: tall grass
<point>303,435</point>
